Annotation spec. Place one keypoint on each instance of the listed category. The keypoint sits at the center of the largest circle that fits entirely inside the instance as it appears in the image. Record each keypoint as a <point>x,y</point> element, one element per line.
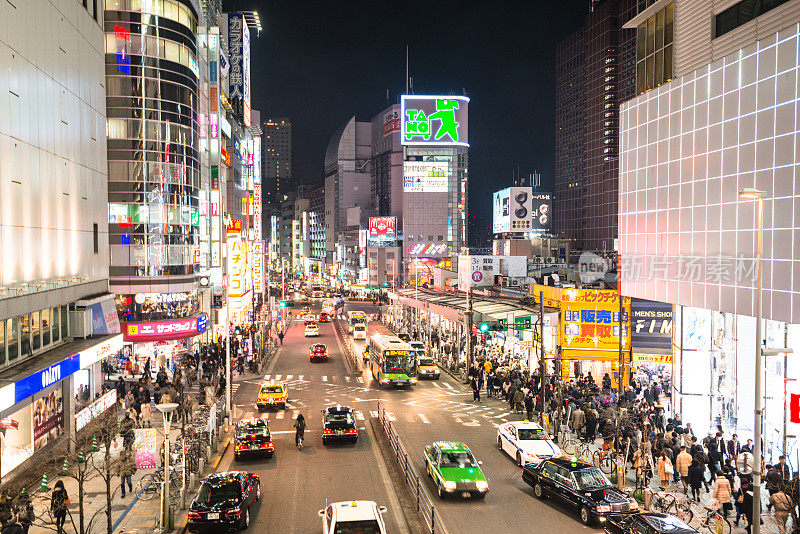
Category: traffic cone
<point>81,458</point>
<point>95,448</point>
<point>43,486</point>
<point>64,471</point>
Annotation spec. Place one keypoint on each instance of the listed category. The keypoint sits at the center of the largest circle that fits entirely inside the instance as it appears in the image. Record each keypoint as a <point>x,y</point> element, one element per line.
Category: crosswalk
<point>345,379</point>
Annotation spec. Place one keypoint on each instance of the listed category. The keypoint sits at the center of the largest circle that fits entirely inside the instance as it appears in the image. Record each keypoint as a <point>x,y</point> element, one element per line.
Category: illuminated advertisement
<point>520,210</point>
<point>145,447</point>
<point>237,266</point>
<point>239,59</point>
<point>165,330</point>
<point>425,176</point>
<point>88,414</point>
<point>542,216</point>
<point>434,120</point>
<point>426,249</point>
<point>391,122</point>
<point>590,320</point>
<point>501,220</point>
<point>258,267</point>
<point>48,418</point>
<point>257,230</point>
<point>382,231</point>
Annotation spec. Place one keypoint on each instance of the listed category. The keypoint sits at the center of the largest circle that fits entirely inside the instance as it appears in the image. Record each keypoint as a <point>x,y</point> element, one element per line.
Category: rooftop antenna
<point>407,78</point>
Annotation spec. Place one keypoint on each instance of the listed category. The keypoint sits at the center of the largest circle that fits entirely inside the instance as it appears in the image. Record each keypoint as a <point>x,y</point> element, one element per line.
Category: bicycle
<point>604,459</point>
<point>150,484</point>
<point>713,520</point>
<point>584,453</point>
<point>299,442</point>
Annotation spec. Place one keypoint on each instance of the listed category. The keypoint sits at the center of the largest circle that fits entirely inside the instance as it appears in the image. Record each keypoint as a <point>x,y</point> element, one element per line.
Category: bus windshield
<point>398,363</point>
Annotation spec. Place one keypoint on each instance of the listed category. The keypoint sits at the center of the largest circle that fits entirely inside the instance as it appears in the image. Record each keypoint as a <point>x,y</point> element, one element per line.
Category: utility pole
<point>542,363</point>
<point>468,344</point>
<point>621,373</point>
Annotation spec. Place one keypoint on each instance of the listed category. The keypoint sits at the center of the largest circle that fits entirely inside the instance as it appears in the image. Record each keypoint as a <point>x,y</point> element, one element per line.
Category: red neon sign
<point>122,33</point>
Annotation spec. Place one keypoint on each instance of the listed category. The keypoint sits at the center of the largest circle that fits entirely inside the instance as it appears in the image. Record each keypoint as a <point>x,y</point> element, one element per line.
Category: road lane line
<point>324,378</point>
<point>360,415</point>
<point>448,386</point>
<point>387,484</point>
<point>289,377</point>
<point>423,418</point>
<point>361,380</point>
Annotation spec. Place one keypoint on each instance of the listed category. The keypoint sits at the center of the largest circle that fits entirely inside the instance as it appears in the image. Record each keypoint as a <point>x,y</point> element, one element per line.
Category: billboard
<point>477,271</point>
<point>590,320</point>
<point>258,266</point>
<point>382,231</point>
<point>165,330</point>
<point>434,120</point>
<point>425,176</point>
<point>433,250</point>
<point>391,122</point>
<point>520,209</point>
<point>239,58</point>
<point>501,221</point>
<point>651,325</point>
<point>542,216</point>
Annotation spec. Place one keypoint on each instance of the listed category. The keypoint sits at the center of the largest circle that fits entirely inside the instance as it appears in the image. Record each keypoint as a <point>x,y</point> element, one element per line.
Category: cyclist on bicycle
<point>300,429</point>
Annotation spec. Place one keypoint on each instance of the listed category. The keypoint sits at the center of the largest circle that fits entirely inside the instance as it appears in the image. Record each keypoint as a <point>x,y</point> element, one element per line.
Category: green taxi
<point>454,470</point>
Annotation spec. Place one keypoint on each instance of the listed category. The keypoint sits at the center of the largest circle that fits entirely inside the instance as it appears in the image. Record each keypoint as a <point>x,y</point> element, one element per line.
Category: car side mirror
<point>321,513</point>
<point>382,509</point>
<point>480,462</point>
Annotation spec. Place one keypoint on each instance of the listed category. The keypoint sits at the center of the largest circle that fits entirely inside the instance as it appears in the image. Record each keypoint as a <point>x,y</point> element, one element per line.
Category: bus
<point>317,291</point>
<point>392,361</point>
<point>355,317</point>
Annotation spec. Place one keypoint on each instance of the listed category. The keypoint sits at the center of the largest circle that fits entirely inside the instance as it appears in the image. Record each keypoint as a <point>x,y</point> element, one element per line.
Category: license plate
<point>212,515</point>
<point>271,401</point>
<point>253,446</point>
<point>339,432</point>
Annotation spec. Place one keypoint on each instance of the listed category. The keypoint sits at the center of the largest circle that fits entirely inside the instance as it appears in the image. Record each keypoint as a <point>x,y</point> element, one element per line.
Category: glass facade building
<point>152,81</point>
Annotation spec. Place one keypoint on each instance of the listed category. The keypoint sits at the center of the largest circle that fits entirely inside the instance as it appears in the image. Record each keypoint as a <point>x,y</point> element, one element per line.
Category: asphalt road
<point>296,484</point>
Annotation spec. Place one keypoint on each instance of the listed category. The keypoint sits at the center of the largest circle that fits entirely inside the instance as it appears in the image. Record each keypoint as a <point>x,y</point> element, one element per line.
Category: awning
<point>596,355</point>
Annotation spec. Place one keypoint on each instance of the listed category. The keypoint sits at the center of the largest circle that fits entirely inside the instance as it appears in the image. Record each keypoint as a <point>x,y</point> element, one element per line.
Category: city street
<point>297,484</point>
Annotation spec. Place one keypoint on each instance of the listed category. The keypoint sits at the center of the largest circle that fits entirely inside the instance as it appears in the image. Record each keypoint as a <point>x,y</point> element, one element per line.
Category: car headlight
<point>449,485</point>
<point>633,505</point>
<point>482,485</point>
<point>413,380</point>
<point>384,381</point>
<point>603,508</point>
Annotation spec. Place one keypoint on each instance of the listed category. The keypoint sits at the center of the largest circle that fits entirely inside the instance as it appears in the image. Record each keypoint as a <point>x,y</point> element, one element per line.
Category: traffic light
<point>283,304</point>
<point>484,327</point>
<point>386,284</point>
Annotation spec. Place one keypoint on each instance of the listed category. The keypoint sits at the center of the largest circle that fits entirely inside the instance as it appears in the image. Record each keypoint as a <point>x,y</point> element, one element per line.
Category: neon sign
<point>434,120</point>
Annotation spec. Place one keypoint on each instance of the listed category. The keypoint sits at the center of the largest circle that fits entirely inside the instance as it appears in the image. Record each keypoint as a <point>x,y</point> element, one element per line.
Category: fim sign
<point>434,120</point>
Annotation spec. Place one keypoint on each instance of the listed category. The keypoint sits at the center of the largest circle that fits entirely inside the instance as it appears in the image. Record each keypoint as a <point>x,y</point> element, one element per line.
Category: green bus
<point>392,361</point>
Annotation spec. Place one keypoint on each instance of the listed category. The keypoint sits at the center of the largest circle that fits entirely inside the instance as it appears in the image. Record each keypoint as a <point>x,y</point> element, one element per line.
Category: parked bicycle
<point>712,521</point>
<point>150,484</point>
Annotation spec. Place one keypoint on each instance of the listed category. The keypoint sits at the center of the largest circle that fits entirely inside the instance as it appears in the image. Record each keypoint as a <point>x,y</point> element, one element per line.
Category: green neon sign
<point>434,120</point>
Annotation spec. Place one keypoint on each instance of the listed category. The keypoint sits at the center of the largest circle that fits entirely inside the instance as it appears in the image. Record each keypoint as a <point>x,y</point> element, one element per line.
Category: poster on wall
<point>145,448</point>
<point>426,176</point>
<point>48,418</point>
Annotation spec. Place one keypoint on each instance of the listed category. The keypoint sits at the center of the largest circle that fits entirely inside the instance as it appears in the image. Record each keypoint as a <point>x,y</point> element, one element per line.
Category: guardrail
<point>424,503</point>
<point>350,352</point>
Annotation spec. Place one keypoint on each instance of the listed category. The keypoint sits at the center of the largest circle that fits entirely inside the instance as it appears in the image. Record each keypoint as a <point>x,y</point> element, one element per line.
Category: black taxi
<point>223,502</point>
<point>252,436</point>
<point>579,485</point>
<point>338,424</point>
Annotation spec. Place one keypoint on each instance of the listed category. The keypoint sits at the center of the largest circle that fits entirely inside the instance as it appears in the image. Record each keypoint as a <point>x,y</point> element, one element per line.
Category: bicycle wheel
<point>147,487</point>
<point>685,513</point>
<point>726,525</point>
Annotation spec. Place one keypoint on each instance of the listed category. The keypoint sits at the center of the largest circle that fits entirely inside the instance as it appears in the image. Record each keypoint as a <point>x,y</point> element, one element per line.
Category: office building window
<point>654,50</point>
<point>742,13</point>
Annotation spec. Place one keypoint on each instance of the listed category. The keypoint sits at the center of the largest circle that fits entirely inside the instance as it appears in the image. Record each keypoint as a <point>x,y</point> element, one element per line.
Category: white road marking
<point>247,415</point>
<point>295,413</point>
<point>360,415</point>
<point>448,386</point>
<point>360,380</point>
<point>278,377</point>
<point>266,377</point>
<point>289,377</point>
<point>347,379</point>
<point>423,418</point>
<point>324,378</point>
<point>472,423</point>
<point>502,415</point>
<point>280,415</point>
<point>373,413</point>
<point>390,416</point>
<point>300,377</point>
<point>436,385</point>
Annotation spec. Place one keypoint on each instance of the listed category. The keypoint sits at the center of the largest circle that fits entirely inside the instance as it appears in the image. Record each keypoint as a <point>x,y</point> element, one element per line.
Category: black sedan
<point>338,424</point>
<point>647,523</point>
<point>252,437</point>
<point>579,485</point>
<point>224,501</point>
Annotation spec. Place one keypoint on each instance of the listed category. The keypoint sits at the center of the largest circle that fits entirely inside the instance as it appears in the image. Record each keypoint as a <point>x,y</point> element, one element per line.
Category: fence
<point>350,351</point>
<point>424,503</point>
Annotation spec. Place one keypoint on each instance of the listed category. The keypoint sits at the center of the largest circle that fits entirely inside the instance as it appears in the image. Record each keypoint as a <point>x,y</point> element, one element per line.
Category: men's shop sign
<point>651,324</point>
<point>166,330</point>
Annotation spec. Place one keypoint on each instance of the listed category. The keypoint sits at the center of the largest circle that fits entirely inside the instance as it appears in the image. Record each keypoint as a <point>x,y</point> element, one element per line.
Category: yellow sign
<point>237,266</point>
<point>590,320</point>
<point>652,358</point>
<point>552,295</point>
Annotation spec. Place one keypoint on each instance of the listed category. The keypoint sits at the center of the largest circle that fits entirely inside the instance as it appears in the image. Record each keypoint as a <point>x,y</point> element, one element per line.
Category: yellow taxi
<point>271,394</point>
<point>426,366</point>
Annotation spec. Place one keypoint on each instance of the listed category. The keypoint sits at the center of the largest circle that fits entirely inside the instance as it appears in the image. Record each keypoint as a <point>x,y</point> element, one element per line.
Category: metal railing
<point>424,503</point>
<point>350,352</point>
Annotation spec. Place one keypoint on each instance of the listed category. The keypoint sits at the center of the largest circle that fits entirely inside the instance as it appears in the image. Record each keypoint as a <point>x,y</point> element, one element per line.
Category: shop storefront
<point>162,343</point>
<point>589,333</point>
<point>651,345</point>
<point>713,358</point>
<point>38,407</point>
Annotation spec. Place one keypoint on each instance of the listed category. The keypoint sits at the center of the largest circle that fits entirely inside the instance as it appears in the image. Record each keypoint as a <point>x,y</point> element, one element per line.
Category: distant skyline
<point>318,63</point>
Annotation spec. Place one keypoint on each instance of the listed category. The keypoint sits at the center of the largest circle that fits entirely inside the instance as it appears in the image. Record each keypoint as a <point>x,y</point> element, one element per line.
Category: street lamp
<point>166,410</point>
<point>749,193</point>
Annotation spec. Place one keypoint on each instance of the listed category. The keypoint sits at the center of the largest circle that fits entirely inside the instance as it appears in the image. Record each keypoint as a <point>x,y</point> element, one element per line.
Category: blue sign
<point>202,323</point>
<point>30,385</point>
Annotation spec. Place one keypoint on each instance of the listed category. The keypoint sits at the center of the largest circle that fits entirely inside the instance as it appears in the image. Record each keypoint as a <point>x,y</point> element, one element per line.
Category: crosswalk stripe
<point>503,415</point>
<point>423,418</point>
<point>300,377</point>
<point>280,415</point>
<point>295,413</point>
<point>436,385</point>
<point>324,378</point>
<point>247,415</point>
<point>391,416</point>
<point>361,380</point>
<point>278,377</point>
<point>266,377</point>
<point>289,377</point>
<point>448,386</point>
<point>360,415</point>
<point>347,379</point>
<point>373,413</point>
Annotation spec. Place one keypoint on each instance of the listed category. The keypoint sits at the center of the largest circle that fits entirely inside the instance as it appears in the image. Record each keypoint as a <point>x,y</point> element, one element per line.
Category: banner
<point>48,418</point>
<point>145,446</point>
<point>258,266</point>
<point>651,324</point>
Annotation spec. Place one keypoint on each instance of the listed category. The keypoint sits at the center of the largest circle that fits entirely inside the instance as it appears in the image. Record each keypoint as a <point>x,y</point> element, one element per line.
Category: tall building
<point>594,73</point>
<point>153,83</point>
<point>276,160</point>
<point>717,113</point>
<point>386,167</point>
<point>57,318</point>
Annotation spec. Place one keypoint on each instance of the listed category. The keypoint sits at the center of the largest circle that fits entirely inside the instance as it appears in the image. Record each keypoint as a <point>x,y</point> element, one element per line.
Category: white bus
<point>392,361</point>
<point>355,317</point>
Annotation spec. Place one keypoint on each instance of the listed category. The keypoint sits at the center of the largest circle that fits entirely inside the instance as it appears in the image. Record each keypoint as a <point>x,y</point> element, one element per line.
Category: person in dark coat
<point>696,479</point>
<point>58,505</point>
<point>747,504</point>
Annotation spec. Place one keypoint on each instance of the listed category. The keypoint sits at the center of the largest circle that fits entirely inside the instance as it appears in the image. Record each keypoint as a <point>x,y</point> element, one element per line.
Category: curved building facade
<point>152,81</point>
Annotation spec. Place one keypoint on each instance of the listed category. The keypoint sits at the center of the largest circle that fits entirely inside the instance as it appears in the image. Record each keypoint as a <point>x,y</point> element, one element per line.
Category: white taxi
<point>526,442</point>
<point>312,330</point>
<point>353,516</point>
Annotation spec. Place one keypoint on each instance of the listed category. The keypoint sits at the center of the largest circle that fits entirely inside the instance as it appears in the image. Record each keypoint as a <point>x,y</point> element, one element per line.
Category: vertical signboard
<point>258,266</point>
<point>239,59</point>
<point>520,210</point>
<point>501,220</point>
<point>237,265</point>
<point>258,232</point>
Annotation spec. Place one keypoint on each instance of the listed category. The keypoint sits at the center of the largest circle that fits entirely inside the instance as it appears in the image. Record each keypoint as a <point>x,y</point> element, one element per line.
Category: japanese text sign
<point>590,319</point>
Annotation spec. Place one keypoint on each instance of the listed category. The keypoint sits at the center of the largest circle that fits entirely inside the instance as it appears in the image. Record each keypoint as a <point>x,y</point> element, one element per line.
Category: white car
<point>312,330</point>
<point>309,318</point>
<point>417,345</point>
<point>526,442</point>
<point>353,516</point>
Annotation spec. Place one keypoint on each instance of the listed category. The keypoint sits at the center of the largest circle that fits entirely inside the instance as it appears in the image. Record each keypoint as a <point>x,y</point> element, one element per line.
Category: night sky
<point>321,62</point>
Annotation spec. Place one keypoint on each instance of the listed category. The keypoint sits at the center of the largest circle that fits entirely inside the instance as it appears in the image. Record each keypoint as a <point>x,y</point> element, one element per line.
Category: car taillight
<point>266,445</point>
<point>194,515</point>
<point>351,431</point>
<point>235,511</point>
<point>326,431</point>
<point>239,447</point>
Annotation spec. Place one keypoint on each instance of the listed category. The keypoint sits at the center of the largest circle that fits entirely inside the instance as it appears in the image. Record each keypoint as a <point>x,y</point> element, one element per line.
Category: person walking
<point>722,493</point>
<point>783,506</point>
<point>682,463</point>
<point>125,469</point>
<point>665,470</point>
<point>519,400</point>
<point>747,504</point>
<point>696,479</point>
<point>59,502</point>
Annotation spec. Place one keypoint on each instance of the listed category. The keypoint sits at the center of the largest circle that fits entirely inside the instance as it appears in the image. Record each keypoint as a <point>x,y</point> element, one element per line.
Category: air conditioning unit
<point>80,323</point>
<point>514,282</point>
